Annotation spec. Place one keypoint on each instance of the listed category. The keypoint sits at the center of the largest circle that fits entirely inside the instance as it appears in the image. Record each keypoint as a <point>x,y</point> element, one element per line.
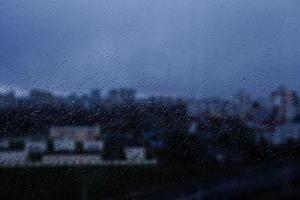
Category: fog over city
<point>171,46</point>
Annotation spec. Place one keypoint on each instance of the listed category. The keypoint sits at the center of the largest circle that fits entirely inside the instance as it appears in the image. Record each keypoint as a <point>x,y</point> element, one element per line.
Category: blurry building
<point>74,145</point>
<point>75,133</point>
<point>243,103</point>
<point>258,114</point>
<point>73,100</point>
<point>8,99</point>
<point>279,135</point>
<point>37,96</point>
<point>134,150</point>
<point>135,153</point>
<point>95,98</point>
<point>287,103</point>
<point>122,96</point>
<point>85,101</point>
<point>211,106</point>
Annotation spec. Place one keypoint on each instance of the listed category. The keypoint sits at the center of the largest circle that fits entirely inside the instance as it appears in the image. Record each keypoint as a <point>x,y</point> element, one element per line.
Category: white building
<point>96,145</point>
<point>135,154</point>
<point>36,146</point>
<point>64,145</point>
<point>12,158</point>
<point>77,133</point>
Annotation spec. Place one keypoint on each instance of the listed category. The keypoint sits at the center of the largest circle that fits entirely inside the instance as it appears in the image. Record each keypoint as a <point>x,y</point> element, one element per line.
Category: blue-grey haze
<point>190,47</point>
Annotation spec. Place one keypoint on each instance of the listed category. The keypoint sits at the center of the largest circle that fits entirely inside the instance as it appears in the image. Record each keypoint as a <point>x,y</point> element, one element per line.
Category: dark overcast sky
<point>190,47</point>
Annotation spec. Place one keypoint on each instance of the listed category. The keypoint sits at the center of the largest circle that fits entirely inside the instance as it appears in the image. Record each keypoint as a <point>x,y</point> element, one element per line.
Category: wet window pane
<point>142,99</point>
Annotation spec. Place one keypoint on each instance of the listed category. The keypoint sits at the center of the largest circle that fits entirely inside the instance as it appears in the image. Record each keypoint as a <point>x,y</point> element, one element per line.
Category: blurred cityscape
<point>44,130</point>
